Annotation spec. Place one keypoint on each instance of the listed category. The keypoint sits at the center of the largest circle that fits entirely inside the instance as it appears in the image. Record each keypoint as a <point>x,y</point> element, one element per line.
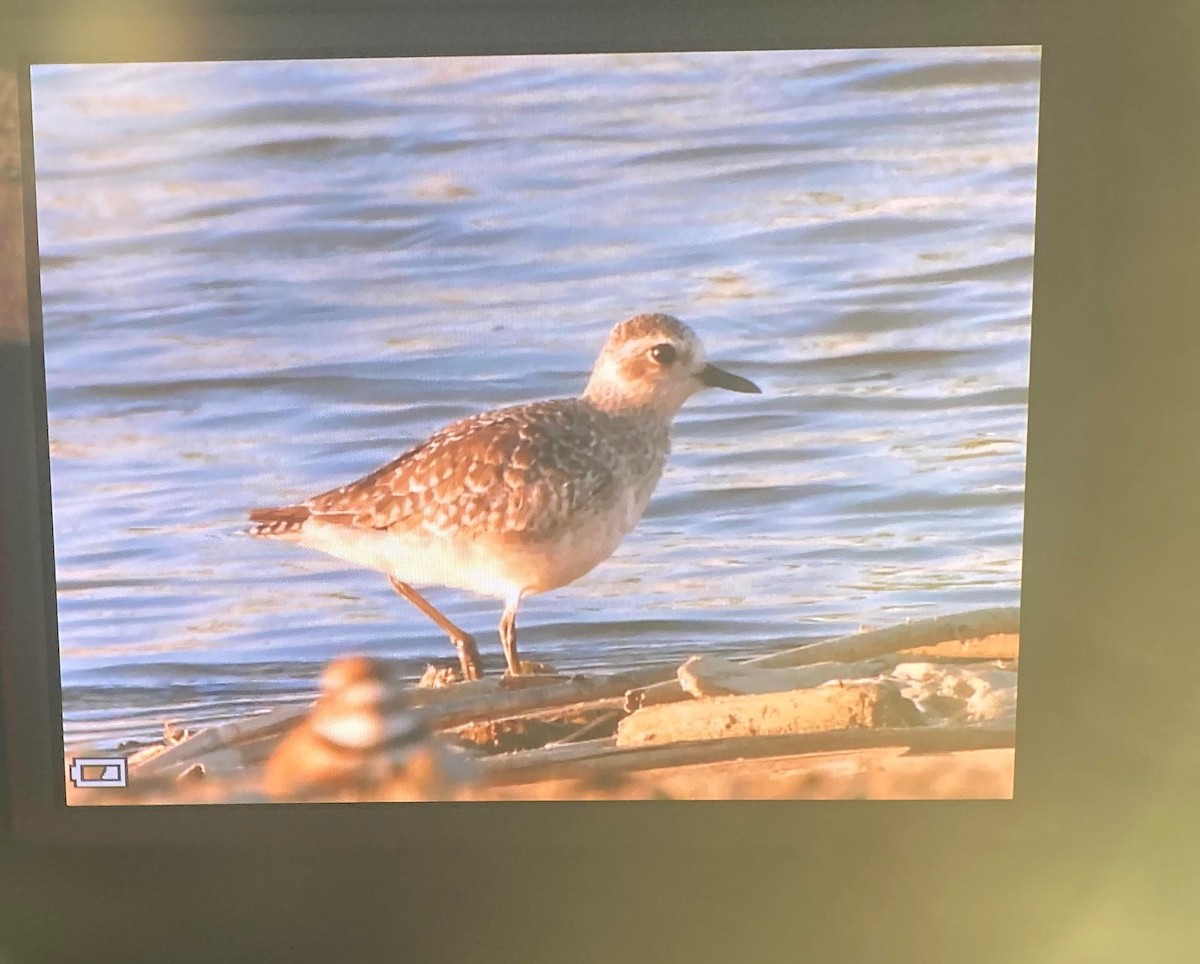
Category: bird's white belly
<point>551,563</point>
<point>419,557</point>
<point>504,566</point>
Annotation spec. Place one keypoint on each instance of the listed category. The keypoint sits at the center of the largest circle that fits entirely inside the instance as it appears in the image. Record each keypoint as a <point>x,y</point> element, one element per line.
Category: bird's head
<point>657,362</point>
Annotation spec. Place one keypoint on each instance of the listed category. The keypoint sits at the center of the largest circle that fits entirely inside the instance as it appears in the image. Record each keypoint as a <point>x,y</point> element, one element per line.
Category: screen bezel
<point>30,684</point>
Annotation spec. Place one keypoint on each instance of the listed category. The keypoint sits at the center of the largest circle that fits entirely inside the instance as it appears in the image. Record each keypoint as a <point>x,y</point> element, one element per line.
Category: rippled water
<point>264,279</point>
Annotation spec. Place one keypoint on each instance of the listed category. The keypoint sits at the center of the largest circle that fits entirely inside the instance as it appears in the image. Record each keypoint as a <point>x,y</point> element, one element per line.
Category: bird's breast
<point>587,541</point>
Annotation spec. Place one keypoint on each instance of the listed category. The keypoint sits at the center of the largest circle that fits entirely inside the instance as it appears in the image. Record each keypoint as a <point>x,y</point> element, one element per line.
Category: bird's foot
<point>531,667</point>
<point>468,656</point>
<point>438,677</point>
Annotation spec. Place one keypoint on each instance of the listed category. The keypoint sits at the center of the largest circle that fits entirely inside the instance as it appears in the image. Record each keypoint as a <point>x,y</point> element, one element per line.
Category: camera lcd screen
<point>538,427</point>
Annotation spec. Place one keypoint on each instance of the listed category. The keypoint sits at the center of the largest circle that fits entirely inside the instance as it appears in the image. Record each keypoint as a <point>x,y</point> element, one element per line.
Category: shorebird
<point>346,738</point>
<point>519,500</point>
<point>359,738</point>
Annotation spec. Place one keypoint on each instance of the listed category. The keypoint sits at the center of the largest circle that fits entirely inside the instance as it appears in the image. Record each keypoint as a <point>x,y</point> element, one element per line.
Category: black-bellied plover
<point>519,500</point>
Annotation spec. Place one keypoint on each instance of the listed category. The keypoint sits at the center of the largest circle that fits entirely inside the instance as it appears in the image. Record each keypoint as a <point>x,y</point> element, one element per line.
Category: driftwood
<point>543,727</point>
<point>583,760</point>
<point>555,695</point>
<point>976,625</point>
<point>973,693</point>
<point>830,707</point>
<point>704,676</point>
<point>474,689</point>
<point>233,746</point>
<point>219,739</point>
<point>981,634</point>
<point>1004,647</point>
<point>942,689</point>
<point>917,686</point>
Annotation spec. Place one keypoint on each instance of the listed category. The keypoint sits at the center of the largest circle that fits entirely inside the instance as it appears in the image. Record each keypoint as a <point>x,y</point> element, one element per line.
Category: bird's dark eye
<point>664,354</point>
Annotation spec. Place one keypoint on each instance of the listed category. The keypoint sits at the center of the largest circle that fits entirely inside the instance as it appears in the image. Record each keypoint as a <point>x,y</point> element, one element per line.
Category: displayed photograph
<point>605,427</point>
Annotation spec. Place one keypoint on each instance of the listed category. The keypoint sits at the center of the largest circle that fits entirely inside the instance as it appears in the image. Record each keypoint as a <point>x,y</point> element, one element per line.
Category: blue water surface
<point>264,279</point>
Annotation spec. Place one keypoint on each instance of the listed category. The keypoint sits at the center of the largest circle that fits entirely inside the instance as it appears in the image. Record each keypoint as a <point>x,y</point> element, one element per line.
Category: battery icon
<point>99,771</point>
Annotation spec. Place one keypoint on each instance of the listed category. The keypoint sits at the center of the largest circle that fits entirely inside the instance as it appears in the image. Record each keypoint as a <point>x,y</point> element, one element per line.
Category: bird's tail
<point>284,521</point>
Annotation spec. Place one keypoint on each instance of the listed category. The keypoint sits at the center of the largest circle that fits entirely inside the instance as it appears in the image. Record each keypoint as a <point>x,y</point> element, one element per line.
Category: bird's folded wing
<point>522,470</point>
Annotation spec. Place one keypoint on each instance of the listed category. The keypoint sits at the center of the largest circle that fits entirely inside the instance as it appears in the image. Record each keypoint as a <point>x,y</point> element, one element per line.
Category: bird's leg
<point>464,642</point>
<point>508,637</point>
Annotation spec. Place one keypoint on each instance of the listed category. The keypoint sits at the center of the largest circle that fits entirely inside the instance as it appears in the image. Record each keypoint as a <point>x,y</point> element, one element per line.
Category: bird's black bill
<point>715,377</point>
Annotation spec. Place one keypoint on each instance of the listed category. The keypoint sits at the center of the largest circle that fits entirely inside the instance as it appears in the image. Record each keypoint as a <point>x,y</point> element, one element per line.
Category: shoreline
<point>923,710</point>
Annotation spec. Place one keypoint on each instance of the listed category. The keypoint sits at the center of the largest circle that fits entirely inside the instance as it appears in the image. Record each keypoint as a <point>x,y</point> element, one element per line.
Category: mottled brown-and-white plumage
<point>522,499</point>
<point>526,470</point>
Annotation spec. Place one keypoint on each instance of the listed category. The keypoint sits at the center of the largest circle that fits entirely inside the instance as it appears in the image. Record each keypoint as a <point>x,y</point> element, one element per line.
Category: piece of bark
<point>981,634</point>
<point>998,646</point>
<point>439,677</point>
<point>831,707</point>
<point>975,625</point>
<point>604,725</point>
<point>668,691</point>
<point>539,729</point>
<point>476,701</point>
<point>584,760</point>
<point>449,713</point>
<point>549,756</point>
<point>179,756</point>
<point>943,691</point>
<point>704,676</point>
<point>956,693</point>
